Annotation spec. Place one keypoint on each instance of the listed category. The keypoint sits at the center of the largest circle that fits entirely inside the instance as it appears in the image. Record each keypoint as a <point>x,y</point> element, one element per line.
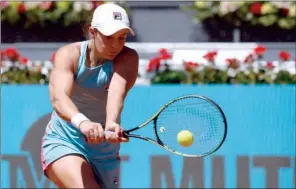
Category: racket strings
<point>198,116</point>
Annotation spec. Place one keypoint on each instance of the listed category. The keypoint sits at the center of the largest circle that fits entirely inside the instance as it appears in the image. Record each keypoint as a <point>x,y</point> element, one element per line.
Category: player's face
<point>110,46</point>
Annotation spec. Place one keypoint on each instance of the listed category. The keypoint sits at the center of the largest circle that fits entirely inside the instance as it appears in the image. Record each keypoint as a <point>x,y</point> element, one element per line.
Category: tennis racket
<point>197,114</point>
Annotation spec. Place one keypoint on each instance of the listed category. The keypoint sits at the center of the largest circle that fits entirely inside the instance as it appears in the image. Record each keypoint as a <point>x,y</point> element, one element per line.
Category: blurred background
<point>241,54</point>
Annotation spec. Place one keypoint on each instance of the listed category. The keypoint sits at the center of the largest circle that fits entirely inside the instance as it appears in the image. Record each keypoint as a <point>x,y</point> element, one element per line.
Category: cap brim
<point>111,29</point>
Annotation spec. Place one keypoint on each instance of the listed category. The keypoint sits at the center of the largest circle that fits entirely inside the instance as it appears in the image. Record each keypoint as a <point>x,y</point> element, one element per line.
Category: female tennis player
<point>88,85</point>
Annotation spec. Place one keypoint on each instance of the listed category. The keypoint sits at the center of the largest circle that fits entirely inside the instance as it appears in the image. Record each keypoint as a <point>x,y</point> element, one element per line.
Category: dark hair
<point>85,27</point>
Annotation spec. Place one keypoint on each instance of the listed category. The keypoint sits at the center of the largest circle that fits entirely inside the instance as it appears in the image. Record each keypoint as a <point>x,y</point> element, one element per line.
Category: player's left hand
<point>114,133</point>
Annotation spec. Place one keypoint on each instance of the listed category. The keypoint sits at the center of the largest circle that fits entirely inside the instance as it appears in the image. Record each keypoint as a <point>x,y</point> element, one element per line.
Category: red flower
<point>249,59</point>
<point>284,11</point>
<point>269,65</point>
<point>232,63</point>
<point>210,56</point>
<point>12,54</point>
<point>21,8</point>
<point>154,64</point>
<point>164,54</point>
<point>284,55</point>
<point>260,50</point>
<point>256,8</point>
<point>189,66</point>
<point>23,60</point>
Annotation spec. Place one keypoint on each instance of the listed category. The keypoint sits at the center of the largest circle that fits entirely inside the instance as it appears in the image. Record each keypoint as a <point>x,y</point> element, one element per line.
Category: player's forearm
<point>64,107</point>
<point>114,105</point>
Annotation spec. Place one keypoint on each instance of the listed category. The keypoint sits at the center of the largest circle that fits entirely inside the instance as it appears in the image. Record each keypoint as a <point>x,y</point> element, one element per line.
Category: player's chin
<point>111,56</point>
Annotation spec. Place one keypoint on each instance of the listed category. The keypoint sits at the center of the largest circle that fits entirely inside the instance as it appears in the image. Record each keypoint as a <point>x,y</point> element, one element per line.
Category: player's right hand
<point>93,132</point>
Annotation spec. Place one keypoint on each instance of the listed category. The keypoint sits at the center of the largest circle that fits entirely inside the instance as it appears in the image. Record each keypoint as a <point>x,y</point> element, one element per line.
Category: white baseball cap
<point>109,18</point>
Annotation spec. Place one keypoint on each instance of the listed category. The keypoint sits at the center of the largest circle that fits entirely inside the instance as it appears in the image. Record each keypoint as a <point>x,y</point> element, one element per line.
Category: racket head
<point>198,114</point>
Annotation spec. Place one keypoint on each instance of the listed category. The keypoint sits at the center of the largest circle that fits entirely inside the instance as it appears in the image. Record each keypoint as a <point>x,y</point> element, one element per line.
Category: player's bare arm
<point>61,85</point>
<point>124,78</point>
<point>61,81</point>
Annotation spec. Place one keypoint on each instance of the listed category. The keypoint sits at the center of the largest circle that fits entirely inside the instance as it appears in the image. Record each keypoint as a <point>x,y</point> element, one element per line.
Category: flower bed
<point>257,20</point>
<point>253,70</point>
<point>16,69</point>
<point>40,21</point>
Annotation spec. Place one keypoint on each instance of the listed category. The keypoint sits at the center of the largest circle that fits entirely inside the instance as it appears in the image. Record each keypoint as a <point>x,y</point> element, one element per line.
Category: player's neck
<point>94,58</point>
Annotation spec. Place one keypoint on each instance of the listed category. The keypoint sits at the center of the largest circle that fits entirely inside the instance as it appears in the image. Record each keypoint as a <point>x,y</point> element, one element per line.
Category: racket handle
<point>125,135</point>
<point>105,132</point>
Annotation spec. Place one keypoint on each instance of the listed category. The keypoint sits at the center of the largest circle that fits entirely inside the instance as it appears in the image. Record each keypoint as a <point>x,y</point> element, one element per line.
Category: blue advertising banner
<point>259,150</point>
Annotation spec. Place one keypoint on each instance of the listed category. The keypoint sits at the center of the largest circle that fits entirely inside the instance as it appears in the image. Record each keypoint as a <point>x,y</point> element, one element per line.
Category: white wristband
<point>77,119</point>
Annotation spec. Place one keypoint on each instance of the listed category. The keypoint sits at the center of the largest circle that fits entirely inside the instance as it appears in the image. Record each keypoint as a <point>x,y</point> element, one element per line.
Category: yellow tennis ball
<point>185,138</point>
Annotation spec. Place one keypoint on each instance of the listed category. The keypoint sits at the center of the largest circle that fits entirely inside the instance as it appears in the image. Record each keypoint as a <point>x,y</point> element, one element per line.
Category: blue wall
<point>259,150</point>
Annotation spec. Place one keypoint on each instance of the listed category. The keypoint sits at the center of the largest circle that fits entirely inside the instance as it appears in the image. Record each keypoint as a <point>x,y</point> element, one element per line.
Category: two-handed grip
<point>125,135</point>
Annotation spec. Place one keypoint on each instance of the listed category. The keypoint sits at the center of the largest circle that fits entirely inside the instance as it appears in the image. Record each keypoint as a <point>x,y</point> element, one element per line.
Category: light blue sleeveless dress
<point>61,138</point>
